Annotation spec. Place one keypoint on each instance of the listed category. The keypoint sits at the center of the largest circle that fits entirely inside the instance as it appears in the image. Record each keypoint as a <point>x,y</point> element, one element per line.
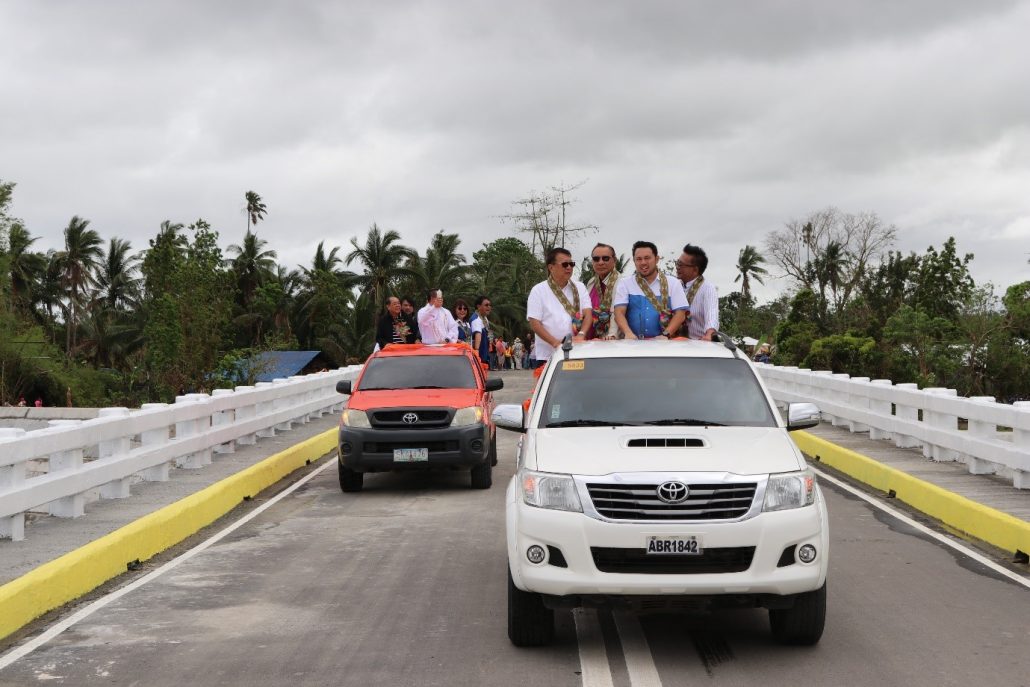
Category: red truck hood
<point>408,398</point>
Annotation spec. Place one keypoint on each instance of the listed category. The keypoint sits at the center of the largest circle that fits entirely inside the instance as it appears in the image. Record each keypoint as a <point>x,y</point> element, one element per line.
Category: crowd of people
<point>646,304</point>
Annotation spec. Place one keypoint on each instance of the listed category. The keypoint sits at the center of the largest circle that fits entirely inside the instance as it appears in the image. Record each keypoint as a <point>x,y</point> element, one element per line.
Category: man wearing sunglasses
<point>602,288</point>
<point>557,306</point>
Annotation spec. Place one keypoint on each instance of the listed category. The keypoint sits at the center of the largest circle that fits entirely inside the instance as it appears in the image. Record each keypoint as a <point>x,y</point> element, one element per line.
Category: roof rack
<point>566,345</point>
<point>727,341</point>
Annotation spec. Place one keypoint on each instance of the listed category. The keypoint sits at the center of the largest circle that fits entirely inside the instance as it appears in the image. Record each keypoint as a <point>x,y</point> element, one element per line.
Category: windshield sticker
<point>556,411</point>
<point>573,365</point>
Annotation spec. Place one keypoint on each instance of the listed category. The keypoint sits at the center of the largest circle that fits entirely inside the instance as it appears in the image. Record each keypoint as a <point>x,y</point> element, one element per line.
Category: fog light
<point>346,447</point>
<point>535,554</point>
<point>806,554</point>
<point>476,445</point>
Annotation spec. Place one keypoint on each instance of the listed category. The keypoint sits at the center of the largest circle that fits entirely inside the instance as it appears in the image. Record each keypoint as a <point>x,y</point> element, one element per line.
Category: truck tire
<point>493,450</point>
<point>530,623</point>
<point>803,624</point>
<point>349,479</point>
<point>482,475</point>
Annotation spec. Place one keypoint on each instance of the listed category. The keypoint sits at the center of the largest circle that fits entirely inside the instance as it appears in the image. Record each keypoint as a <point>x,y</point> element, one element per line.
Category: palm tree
<point>252,265</point>
<point>255,209</point>
<point>382,260</point>
<point>749,266</point>
<point>443,267</point>
<point>117,284</point>
<point>25,266</point>
<point>79,261</point>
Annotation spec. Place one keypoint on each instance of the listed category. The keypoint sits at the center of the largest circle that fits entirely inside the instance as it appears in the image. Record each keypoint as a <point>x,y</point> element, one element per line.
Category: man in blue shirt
<point>649,303</point>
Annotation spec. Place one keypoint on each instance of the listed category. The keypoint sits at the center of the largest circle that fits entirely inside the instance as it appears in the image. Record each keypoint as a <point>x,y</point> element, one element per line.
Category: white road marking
<point>36,642</point>
<point>639,660</point>
<point>961,548</point>
<point>593,657</point>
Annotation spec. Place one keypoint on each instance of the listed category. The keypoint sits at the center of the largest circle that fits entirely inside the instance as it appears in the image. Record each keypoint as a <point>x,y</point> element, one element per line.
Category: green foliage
<point>858,356</point>
<point>920,347</point>
<point>943,282</point>
<point>506,270</point>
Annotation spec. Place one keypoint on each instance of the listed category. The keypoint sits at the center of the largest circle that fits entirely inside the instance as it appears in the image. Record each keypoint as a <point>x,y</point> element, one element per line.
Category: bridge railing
<point>989,437</point>
<point>59,468</point>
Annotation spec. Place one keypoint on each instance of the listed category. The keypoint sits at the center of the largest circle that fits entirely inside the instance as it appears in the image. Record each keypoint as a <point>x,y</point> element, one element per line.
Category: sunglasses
<point>685,264</point>
<point>567,265</point>
<point>601,258</point>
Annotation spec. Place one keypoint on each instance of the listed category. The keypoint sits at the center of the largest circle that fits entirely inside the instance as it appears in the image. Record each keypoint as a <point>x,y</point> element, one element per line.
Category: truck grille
<point>724,560</point>
<point>640,502</point>
<point>426,417</point>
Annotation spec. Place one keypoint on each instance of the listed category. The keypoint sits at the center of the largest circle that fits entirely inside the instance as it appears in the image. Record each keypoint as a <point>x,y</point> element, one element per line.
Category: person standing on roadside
<point>480,327</point>
<point>436,323</point>
<point>518,352</point>
<point>702,299</point>
<point>649,303</point>
<point>602,289</point>
<point>501,348</point>
<point>558,306</point>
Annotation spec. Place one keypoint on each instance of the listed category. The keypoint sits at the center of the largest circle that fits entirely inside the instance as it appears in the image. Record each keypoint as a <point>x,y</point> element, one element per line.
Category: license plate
<point>673,546</point>
<point>410,455</point>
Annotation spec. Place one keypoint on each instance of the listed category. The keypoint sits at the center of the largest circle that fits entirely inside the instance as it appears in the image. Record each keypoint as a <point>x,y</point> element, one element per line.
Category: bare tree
<point>830,249</point>
<point>545,217</point>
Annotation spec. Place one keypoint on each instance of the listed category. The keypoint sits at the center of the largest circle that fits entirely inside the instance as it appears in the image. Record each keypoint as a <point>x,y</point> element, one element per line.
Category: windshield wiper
<point>428,386</point>
<point>377,388</point>
<point>587,423</point>
<point>685,421</point>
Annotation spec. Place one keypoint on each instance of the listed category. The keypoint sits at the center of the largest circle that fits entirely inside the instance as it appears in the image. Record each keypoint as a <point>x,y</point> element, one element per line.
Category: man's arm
<point>538,328</point>
<point>710,307</point>
<point>620,319</point>
<point>678,316</point>
<point>452,325</point>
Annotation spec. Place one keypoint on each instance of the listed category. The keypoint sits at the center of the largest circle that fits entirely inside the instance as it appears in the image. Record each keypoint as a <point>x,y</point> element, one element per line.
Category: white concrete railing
<point>892,412</point>
<point>60,467</point>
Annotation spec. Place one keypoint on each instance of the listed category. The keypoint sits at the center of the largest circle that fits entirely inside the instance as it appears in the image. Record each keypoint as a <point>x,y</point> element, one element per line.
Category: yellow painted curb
<point>76,573</point>
<point>977,520</point>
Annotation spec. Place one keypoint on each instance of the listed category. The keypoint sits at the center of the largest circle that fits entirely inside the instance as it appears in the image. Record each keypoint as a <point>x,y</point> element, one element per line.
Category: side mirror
<point>509,416</point>
<point>344,387</point>
<point>802,416</point>
<point>494,384</point>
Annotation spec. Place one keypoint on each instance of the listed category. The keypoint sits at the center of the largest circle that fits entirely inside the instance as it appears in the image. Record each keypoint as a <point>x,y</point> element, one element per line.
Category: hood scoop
<point>666,442</point>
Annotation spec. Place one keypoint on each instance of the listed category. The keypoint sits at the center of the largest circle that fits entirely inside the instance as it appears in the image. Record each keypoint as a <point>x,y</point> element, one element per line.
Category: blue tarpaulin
<point>274,364</point>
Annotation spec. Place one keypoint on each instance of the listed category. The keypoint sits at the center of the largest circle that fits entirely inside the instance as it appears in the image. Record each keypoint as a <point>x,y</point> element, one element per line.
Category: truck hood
<point>414,398</point>
<point>603,450</point>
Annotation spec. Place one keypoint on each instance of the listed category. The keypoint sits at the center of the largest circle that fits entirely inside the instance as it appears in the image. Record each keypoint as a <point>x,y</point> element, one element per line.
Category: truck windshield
<point>418,372</point>
<point>655,391</point>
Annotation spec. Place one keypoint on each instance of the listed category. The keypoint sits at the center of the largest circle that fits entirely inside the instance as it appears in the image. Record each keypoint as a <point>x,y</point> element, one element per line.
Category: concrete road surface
<point>404,584</point>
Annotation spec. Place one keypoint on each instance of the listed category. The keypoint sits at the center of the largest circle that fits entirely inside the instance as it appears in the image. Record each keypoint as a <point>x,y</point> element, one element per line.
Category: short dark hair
<point>603,245</point>
<point>699,257</point>
<point>431,294</point>
<point>480,298</point>
<point>407,299</point>
<point>555,252</point>
<point>645,244</point>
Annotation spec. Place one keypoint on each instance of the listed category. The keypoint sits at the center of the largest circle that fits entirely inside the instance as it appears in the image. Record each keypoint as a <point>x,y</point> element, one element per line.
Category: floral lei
<point>573,309</point>
<point>664,313</point>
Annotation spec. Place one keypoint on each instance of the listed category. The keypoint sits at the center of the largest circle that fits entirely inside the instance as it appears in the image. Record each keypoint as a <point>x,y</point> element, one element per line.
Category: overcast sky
<point>706,122</point>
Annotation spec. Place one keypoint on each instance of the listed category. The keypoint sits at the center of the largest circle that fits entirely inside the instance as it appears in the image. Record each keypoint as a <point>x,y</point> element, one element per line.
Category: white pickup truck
<point>659,475</point>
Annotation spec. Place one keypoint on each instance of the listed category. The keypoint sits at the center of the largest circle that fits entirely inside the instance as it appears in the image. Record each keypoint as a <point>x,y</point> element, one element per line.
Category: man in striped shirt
<point>703,317</point>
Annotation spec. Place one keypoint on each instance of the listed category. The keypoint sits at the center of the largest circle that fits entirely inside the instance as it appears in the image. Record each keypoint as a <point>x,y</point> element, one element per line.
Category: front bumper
<point>371,449</point>
<point>751,558</point>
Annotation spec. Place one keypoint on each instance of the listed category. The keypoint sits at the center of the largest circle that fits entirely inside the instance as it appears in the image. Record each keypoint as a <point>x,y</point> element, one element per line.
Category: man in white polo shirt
<point>435,322</point>
<point>649,303</point>
<point>557,306</point>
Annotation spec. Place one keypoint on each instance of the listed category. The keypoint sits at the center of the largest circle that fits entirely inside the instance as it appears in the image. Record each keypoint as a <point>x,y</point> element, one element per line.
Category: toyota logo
<point>672,492</point>
<point>410,418</point>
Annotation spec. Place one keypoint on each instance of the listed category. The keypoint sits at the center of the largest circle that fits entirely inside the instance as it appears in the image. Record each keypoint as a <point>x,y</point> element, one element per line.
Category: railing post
<point>909,411</point>
<point>939,421</point>
<point>818,389</point>
<point>838,394</point>
<point>858,397</point>
<point>152,438</point>
<point>73,506</point>
<point>191,428</point>
<point>114,448</point>
<point>11,476</point>
<point>263,408</point>
<point>1021,440</point>
<point>221,418</point>
<point>984,430</point>
<point>282,402</point>
<point>882,408</point>
<point>245,411</point>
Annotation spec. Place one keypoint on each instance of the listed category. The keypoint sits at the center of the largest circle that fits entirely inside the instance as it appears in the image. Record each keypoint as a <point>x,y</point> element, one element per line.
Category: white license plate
<point>410,455</point>
<point>673,546</point>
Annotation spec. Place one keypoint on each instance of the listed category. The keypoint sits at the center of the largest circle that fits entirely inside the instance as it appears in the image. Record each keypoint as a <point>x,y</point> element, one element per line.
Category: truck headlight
<point>549,490</point>
<point>789,490</point>
<point>355,418</point>
<point>471,415</point>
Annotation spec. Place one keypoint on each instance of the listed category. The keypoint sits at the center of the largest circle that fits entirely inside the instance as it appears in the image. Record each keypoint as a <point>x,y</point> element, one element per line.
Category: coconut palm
<point>443,267</point>
<point>749,266</point>
<point>255,208</point>
<point>79,260</point>
<point>117,283</point>
<point>252,265</point>
<point>24,265</point>
<point>382,260</point>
